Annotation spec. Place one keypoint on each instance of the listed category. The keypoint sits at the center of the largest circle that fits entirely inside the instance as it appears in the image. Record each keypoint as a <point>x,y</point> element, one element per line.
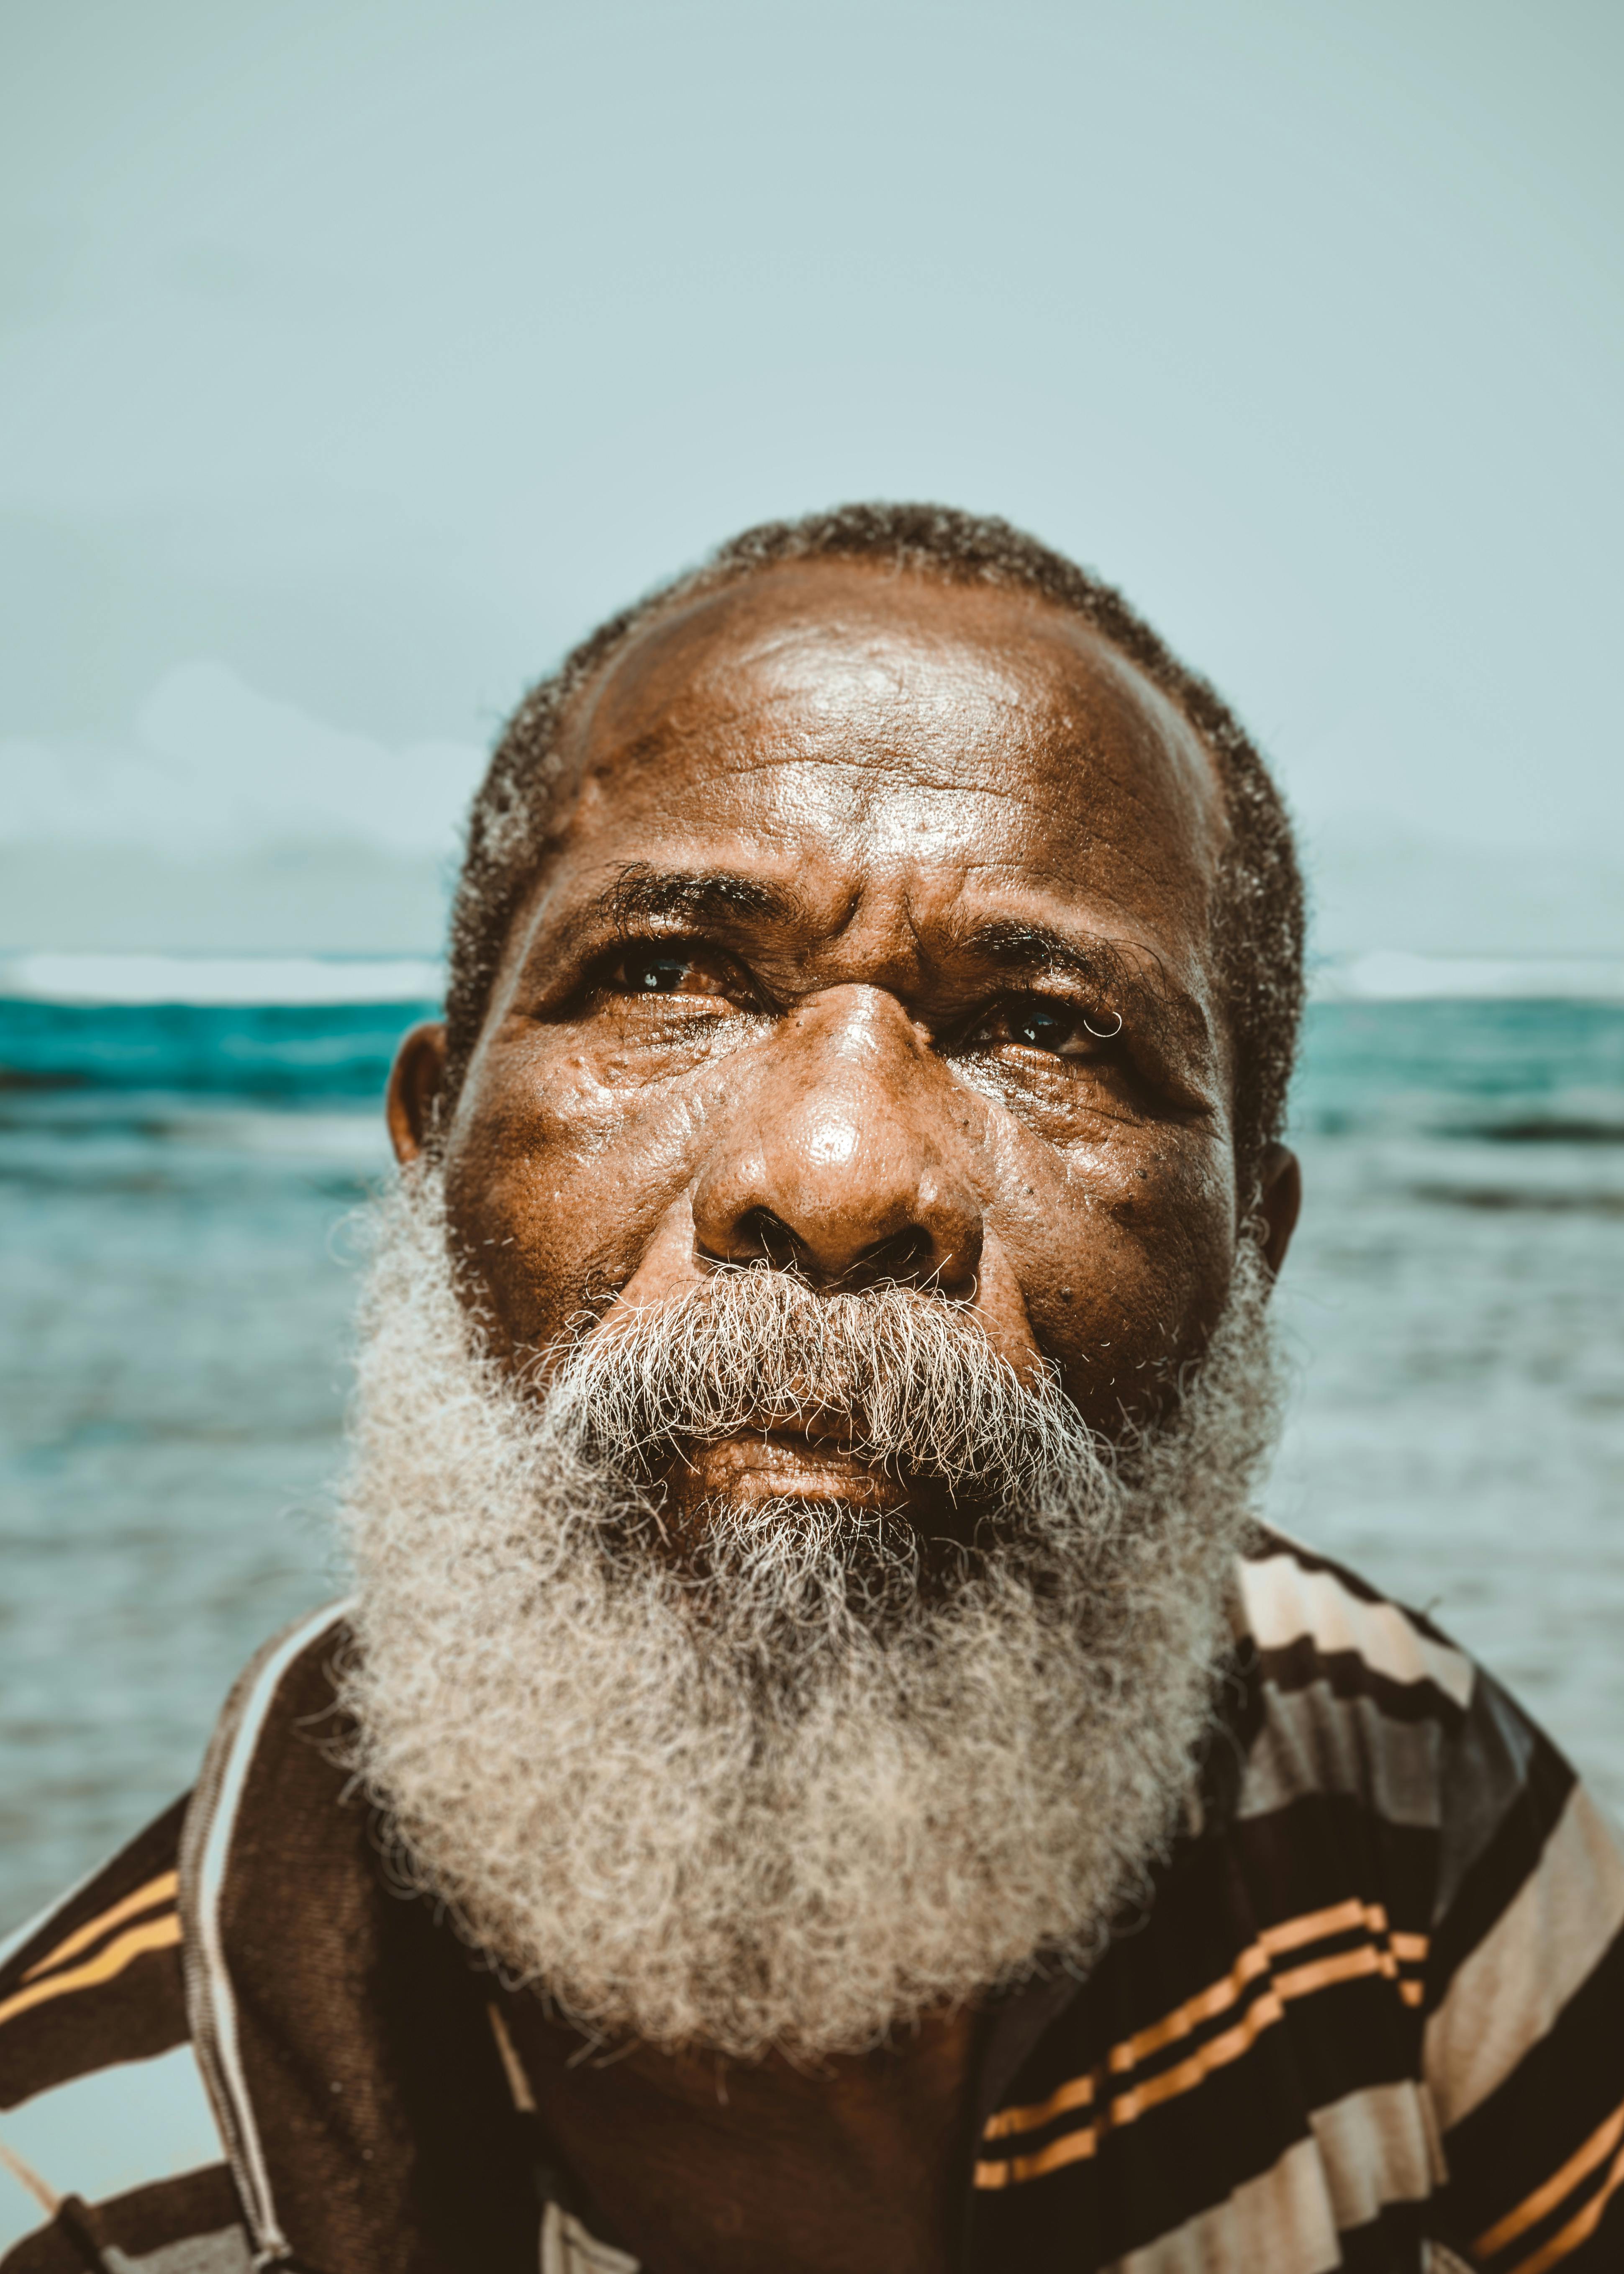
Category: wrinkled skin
<point>877,945</point>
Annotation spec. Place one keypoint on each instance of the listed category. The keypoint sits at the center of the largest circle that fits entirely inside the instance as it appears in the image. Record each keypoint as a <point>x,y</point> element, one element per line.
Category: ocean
<point>177,1267</point>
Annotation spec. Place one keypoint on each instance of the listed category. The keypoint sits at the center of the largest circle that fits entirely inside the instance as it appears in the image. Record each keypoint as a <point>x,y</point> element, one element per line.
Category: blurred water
<point>176,1290</point>
<point>1454,1305</point>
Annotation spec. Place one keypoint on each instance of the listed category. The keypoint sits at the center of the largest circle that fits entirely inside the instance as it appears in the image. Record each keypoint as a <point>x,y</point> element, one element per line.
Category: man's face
<point>874,950</point>
<point>875,944</point>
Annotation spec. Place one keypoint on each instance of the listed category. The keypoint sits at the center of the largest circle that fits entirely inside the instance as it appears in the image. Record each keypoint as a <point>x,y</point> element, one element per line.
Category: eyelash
<point>1068,1019</point>
<point>649,952</point>
<point>1074,1036</point>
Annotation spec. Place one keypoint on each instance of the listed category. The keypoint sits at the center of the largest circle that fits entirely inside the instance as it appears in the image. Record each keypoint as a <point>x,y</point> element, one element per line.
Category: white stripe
<point>1283,2220</point>
<point>1372,2148</point>
<point>223,2252</point>
<point>1548,1939</point>
<point>116,2128</point>
<point>568,2248</point>
<point>207,1941</point>
<point>1378,2146</point>
<point>1283,1603</point>
<point>1312,1741</point>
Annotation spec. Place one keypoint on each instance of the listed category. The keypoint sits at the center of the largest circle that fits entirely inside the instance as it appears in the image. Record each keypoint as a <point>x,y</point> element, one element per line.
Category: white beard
<point>798,1790</point>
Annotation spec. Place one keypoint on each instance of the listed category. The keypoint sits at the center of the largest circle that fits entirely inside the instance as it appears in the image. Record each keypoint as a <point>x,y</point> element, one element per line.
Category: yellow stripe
<point>162,1889</point>
<point>1254,1962</point>
<point>157,1934</point>
<point>1578,2229</point>
<point>1127,2107</point>
<point>1314,1927</point>
<point>1375,1957</point>
<point>1217,2052</point>
<point>1070,2147</point>
<point>1347,1966</point>
<point>1077,2093</point>
<point>1600,2144</point>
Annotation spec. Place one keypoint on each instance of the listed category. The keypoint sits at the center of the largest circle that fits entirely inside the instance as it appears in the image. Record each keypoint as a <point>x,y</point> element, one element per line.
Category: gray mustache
<point>905,1379</point>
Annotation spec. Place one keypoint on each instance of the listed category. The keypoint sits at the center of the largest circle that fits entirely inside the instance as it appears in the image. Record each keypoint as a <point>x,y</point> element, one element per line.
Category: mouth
<point>785,1465</point>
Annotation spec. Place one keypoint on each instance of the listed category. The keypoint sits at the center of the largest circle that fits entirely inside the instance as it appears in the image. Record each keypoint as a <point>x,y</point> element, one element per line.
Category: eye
<point>1037,1022</point>
<point>653,971</point>
<point>1041,1026</point>
<point>654,966</point>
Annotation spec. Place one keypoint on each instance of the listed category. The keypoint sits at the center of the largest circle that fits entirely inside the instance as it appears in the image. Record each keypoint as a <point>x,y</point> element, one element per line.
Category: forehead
<point>837,711</point>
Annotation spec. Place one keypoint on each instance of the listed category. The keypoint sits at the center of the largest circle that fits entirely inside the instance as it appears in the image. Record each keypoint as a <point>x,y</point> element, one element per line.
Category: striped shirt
<point>1372,2016</point>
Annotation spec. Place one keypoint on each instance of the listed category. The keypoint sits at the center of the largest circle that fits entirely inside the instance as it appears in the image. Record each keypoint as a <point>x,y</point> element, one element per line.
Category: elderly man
<point>822,1769</point>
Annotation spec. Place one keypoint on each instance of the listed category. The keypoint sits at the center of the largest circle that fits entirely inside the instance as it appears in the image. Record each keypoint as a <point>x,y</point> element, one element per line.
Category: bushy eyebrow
<point>641,894</point>
<point>1016,944</point>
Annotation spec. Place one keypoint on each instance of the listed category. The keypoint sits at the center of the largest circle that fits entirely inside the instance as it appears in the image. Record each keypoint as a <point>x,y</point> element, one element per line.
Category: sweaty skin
<point>875,944</point>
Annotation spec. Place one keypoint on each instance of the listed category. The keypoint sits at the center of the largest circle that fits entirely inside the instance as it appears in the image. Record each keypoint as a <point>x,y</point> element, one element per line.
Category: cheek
<point>1124,1250</point>
<point>555,1184</point>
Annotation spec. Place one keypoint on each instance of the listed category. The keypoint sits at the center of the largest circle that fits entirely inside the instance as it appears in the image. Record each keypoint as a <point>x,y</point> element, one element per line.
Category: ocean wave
<point>219,980</point>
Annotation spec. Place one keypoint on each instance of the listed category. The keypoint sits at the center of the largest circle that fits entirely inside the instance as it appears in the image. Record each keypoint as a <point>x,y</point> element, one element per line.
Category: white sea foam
<point>1397,975</point>
<point>286,980</point>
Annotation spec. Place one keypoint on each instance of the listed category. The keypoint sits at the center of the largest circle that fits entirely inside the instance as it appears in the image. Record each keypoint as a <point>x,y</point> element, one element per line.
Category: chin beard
<point>800,1781</point>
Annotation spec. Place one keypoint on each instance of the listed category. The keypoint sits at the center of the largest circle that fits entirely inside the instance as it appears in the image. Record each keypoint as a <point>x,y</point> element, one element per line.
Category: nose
<point>838,1163</point>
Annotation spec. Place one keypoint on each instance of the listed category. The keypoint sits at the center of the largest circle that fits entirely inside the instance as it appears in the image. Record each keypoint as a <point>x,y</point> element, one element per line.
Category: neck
<point>703,2166</point>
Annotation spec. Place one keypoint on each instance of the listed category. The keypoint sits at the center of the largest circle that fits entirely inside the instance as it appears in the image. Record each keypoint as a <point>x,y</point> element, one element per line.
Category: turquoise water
<point>176,1280</point>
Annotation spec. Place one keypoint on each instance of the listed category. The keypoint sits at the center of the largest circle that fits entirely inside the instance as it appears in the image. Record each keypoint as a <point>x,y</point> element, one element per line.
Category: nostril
<point>764,1237</point>
<point>907,1256</point>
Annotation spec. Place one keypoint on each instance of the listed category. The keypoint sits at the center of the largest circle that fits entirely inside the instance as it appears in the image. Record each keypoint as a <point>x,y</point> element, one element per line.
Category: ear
<point>416,1080</point>
<point>1279,1200</point>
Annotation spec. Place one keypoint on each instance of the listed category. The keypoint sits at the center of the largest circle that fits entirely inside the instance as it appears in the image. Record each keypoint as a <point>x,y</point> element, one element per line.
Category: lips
<point>784,1465</point>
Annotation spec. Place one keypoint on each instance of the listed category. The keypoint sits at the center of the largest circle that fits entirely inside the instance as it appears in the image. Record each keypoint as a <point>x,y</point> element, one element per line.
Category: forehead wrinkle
<point>883,665</point>
<point>860,746</point>
<point>1070,690</point>
<point>891,653</point>
<point>1046,678</point>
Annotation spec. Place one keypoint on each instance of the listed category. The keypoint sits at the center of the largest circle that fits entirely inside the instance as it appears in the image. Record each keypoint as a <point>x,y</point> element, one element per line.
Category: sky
<point>354,359</point>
